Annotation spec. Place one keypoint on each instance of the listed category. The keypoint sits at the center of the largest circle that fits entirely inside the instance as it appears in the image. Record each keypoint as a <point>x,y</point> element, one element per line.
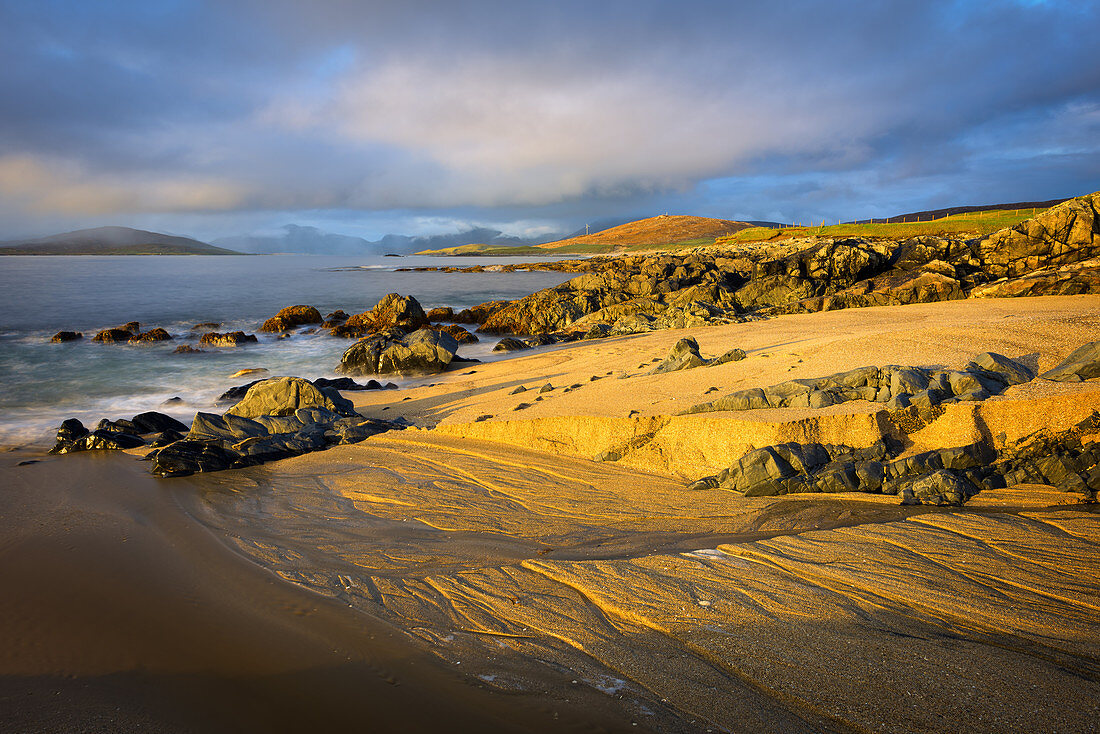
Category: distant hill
<point>932,214</point>
<point>112,241</point>
<point>654,231</point>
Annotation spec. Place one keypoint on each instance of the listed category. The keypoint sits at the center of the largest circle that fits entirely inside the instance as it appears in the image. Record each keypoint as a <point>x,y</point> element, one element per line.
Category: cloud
<point>536,110</point>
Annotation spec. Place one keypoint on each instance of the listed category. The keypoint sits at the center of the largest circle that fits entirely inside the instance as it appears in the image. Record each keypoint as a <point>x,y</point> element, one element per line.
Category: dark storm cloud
<point>528,109</point>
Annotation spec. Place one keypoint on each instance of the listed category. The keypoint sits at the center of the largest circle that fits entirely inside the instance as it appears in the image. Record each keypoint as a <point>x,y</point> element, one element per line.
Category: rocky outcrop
<point>1068,280</point>
<point>947,476</point>
<point>394,311</point>
<point>1064,234</point>
<point>66,336</point>
<point>479,314</point>
<point>394,352</point>
<point>896,386</point>
<point>290,317</point>
<point>111,435</point>
<point>228,339</point>
<point>444,313</point>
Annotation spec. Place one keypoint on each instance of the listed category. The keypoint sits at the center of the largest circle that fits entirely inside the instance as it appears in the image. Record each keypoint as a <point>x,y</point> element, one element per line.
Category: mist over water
<point>46,383</point>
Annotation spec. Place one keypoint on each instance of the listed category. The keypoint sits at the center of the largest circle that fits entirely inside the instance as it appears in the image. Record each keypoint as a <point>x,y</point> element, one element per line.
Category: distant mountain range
<point>312,241</point>
<point>111,241</point>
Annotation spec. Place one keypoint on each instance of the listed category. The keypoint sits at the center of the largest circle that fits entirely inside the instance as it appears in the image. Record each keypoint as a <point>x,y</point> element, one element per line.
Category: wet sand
<point>119,612</point>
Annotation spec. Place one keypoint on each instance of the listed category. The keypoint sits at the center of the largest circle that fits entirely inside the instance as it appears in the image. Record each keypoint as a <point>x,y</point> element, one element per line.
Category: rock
<point>394,311</point>
<point>510,344</point>
<point>104,440</point>
<point>206,326</point>
<point>479,314</point>
<point>66,336</point>
<point>1082,364</point>
<point>346,384</point>
<point>352,430</point>
<point>153,335</point>
<point>461,335</point>
<point>69,431</point>
<point>1066,280</point>
<point>249,371</point>
<point>229,339</point>
<point>133,327</point>
<point>941,487</point>
<point>337,315</point>
<point>683,355</point>
<point>546,388</point>
<point>189,456</point>
<point>423,351</point>
<point>1010,370</point>
<point>228,428</point>
<point>118,426</point>
<point>290,317</point>
<point>113,336</point>
<point>177,400</point>
<point>281,396</point>
<point>444,313</point>
<point>164,438</point>
<point>518,390</point>
<point>733,355</point>
<point>153,422</point>
<point>1064,234</point>
<point>187,349</point>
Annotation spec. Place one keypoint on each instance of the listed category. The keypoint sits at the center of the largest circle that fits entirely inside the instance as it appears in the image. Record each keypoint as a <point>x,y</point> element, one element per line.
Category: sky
<point>422,117</point>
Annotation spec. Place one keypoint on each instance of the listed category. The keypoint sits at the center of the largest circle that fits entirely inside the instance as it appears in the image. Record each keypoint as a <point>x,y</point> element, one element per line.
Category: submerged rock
<point>153,335</point>
<point>112,336</point>
<point>228,339</point>
<point>66,336</point>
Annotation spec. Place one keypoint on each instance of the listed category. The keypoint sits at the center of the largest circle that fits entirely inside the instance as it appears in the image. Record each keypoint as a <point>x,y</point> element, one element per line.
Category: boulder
<point>394,311</point>
<point>228,428</point>
<point>153,335</point>
<point>282,396</point>
<point>290,317</point>
<point>228,339</point>
<point>346,384</point>
<point>66,336</point>
<point>188,456</point>
<point>423,351</point>
<point>733,355</point>
<point>479,314</point>
<point>104,440</point>
<point>154,422</point>
<point>164,438</point>
<point>69,431</point>
<point>1082,364</point>
<point>942,487</point>
<point>113,336</point>
<point>444,313</point>
<point>684,355</point>
<point>510,344</point>
<point>461,335</point>
<point>1010,370</point>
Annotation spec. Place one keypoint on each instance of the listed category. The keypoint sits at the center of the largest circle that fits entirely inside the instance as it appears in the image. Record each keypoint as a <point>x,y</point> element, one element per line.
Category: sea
<point>45,383</point>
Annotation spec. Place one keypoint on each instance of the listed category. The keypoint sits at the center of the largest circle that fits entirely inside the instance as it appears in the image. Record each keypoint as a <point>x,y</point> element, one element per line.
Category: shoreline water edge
<point>816,485</point>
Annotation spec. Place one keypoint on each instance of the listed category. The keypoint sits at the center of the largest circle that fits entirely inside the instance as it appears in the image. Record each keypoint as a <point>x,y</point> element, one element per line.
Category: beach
<point>496,568</point>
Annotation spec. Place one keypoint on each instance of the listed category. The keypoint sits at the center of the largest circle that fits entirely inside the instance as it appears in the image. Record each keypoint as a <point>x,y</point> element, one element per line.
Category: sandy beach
<point>493,568</point>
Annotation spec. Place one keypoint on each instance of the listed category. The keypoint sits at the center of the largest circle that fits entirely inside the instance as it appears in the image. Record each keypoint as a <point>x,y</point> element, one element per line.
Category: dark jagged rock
<point>164,438</point>
<point>1064,234</point>
<point>154,422</point>
<point>66,336</point>
<point>117,426</point>
<point>290,317</point>
<point>153,335</point>
<point>227,429</point>
<point>1082,364</point>
<point>134,327</point>
<point>69,431</point>
<point>113,336</point>
<point>353,430</point>
<point>510,344</point>
<point>189,456</point>
<point>423,351</point>
<point>228,339</point>
<point>346,384</point>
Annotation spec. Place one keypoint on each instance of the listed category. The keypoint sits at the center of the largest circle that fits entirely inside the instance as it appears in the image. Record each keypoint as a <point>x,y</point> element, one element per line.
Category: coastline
<point>500,548</point>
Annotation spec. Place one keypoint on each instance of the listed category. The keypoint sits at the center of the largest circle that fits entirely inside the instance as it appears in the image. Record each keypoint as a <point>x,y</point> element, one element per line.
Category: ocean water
<point>45,383</point>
